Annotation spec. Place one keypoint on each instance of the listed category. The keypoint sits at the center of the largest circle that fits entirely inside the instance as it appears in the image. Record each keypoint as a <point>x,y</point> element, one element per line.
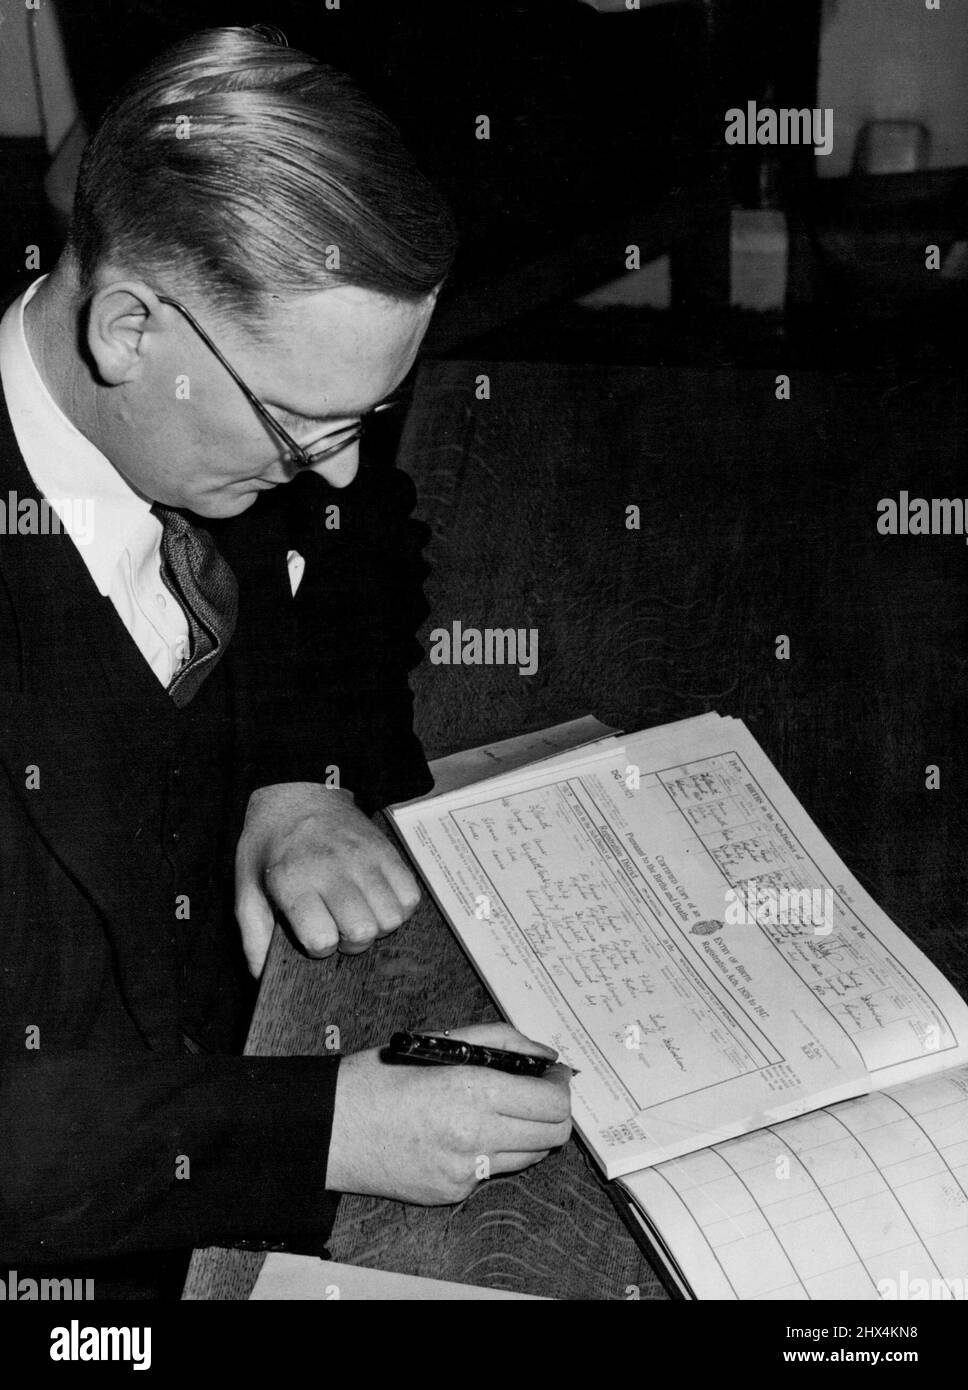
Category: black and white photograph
<point>483,671</point>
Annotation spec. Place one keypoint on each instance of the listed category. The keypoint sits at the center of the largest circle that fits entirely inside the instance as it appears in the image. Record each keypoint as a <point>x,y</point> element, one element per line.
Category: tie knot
<point>172,519</point>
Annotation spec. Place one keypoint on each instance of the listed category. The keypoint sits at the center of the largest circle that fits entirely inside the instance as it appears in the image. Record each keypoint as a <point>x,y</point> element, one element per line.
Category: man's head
<point>264,192</point>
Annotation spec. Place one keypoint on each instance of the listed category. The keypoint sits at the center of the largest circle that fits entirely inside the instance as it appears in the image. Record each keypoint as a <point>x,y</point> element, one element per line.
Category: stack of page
<point>772,1071</point>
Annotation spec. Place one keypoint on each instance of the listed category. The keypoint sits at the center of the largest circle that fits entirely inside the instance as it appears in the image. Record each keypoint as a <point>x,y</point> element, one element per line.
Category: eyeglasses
<point>300,456</point>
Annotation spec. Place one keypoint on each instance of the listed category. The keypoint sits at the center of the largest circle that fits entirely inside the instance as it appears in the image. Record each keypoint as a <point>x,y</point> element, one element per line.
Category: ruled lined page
<point>863,1200</point>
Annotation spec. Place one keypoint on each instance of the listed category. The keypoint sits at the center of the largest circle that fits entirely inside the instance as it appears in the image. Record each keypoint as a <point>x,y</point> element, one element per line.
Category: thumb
<point>501,1035</point>
<point>256,920</point>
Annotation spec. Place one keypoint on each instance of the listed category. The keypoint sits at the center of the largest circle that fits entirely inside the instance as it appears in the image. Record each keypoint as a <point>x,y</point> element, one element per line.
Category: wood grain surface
<point>758,519</point>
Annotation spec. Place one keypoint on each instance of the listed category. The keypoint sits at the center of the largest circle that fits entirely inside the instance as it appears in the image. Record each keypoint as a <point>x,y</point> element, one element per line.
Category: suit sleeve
<point>322,678</point>
<point>107,1156</point>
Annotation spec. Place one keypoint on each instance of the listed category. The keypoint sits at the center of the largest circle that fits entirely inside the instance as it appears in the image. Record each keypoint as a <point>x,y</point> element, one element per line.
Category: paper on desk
<point>301,1277</point>
<point>475,764</point>
<point>603,932</point>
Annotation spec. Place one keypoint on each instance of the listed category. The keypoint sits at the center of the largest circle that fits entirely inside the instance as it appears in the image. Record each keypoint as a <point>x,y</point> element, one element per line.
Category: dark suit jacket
<point>88,1133</point>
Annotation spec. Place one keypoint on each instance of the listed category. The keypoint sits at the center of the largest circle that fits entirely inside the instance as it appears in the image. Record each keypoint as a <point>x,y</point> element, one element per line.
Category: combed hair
<point>234,165</point>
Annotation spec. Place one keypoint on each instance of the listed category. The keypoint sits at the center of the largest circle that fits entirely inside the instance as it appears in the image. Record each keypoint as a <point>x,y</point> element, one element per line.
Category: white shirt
<point>116,534</point>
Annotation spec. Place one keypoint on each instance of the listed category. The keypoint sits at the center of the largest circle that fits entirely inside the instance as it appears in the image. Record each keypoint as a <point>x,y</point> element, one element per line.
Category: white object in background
<point>647,288</point>
<point>895,60</point>
<point>892,147</point>
<point>293,1278</point>
<point>34,101</point>
<point>619,6</point>
<point>759,256</point>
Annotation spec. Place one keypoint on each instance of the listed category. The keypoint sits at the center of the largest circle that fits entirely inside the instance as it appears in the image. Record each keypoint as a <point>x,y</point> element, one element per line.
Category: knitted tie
<point>195,573</point>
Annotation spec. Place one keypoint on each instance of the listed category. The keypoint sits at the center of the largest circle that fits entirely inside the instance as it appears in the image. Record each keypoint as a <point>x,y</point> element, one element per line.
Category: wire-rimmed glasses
<point>300,456</point>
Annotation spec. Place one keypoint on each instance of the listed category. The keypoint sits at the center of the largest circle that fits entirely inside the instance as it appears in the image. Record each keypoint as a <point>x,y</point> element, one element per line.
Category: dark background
<point>606,129</point>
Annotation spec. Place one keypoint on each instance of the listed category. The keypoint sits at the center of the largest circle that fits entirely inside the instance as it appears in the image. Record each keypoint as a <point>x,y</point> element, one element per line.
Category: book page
<point>865,1200</point>
<point>900,1012</point>
<point>593,903</point>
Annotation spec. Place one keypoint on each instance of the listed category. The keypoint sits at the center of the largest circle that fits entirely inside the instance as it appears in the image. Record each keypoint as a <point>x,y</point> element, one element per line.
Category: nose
<point>341,469</point>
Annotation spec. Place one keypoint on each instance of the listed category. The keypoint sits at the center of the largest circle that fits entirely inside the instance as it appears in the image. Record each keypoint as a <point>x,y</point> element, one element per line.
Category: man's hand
<point>431,1134</point>
<point>307,852</point>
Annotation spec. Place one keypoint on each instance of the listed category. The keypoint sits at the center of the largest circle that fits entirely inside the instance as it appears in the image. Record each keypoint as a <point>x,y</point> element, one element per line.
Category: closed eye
<point>304,422</point>
<point>334,424</point>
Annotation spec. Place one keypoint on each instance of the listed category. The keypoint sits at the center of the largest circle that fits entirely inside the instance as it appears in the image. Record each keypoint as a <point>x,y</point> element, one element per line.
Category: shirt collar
<point>104,511</point>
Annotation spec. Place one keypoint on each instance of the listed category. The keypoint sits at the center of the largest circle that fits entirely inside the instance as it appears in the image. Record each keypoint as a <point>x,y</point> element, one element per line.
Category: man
<point>223,623</point>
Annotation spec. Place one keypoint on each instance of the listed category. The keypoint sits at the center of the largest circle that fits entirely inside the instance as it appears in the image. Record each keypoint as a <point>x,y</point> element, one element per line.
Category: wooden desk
<point>758,519</point>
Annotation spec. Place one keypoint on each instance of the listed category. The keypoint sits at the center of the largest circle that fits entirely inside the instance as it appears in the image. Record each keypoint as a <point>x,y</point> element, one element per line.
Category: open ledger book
<point>772,1071</point>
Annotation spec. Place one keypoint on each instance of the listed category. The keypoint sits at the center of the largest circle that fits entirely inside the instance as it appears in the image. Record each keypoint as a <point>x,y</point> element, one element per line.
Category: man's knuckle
<point>389,918</point>
<point>359,933</point>
<point>463,1133</point>
<point>458,1167</point>
<point>278,875</point>
<point>461,1178</point>
<point>318,941</point>
<point>492,1093</point>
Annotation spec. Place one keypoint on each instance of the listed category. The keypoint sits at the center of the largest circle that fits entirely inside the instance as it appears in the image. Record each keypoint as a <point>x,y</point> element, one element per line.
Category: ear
<point>119,321</point>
